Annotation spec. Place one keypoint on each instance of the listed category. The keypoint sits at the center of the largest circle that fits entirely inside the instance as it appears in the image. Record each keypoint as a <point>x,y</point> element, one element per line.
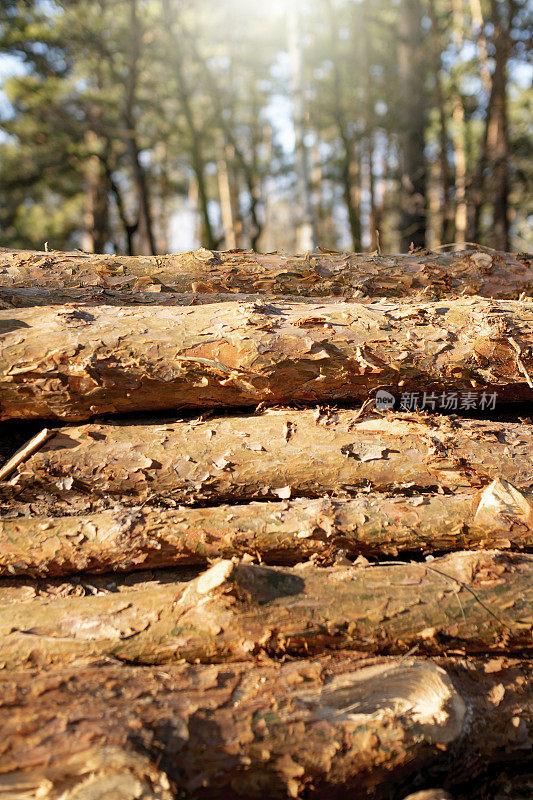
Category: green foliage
<point>129,110</point>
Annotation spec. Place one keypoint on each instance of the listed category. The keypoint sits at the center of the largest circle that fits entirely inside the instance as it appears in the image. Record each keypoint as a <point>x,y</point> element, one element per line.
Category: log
<point>30,296</point>
<point>73,363</point>
<point>25,589</point>
<point>474,601</point>
<point>331,727</point>
<point>486,273</point>
<point>269,456</point>
<point>127,539</point>
<point>91,773</point>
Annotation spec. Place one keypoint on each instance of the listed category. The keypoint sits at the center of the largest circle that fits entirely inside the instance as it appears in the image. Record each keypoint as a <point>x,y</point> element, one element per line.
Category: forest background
<point>150,126</point>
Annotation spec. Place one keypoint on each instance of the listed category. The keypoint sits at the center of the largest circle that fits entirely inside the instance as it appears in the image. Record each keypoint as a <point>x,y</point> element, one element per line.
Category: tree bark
<point>269,456</point>
<point>489,274</point>
<point>127,539</point>
<point>475,602</point>
<point>331,727</point>
<point>147,293</point>
<point>69,363</point>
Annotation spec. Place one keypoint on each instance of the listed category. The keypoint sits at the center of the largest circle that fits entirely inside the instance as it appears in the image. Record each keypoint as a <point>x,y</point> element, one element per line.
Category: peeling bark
<point>472,601</point>
<point>269,456</point>
<point>489,274</point>
<point>124,540</point>
<point>74,363</point>
<point>147,294</point>
<point>333,727</point>
<point>94,772</point>
<point>325,728</point>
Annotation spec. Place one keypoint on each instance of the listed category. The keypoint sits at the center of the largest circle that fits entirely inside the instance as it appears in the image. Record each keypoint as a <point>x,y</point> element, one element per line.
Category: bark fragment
<point>126,539</point>
<point>482,272</point>
<point>331,727</point>
<point>74,363</point>
<point>246,457</point>
<point>475,601</point>
<point>92,773</point>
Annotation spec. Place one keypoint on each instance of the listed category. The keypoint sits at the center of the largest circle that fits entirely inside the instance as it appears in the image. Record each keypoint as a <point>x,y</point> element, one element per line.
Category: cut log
<point>27,297</point>
<point>473,601</point>
<point>124,540</point>
<point>73,363</point>
<point>332,727</point>
<point>273,455</point>
<point>489,274</point>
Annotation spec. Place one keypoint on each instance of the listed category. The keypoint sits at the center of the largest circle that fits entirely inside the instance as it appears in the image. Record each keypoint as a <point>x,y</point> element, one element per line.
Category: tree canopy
<point>139,126</point>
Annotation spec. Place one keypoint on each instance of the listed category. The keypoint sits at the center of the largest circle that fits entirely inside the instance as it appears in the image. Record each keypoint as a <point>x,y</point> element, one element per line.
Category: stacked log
<point>266,583</point>
<point>322,727</point>
<point>111,360</point>
<point>478,271</point>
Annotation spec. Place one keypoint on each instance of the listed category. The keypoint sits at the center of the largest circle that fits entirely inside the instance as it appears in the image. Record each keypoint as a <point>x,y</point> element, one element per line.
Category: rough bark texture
<point>29,296</point>
<point>73,363</point>
<point>271,455</point>
<point>489,274</point>
<point>472,601</point>
<point>127,539</point>
<point>332,727</point>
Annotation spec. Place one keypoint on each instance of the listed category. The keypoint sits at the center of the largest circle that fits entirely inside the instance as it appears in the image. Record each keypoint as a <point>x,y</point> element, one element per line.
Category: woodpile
<point>266,526</point>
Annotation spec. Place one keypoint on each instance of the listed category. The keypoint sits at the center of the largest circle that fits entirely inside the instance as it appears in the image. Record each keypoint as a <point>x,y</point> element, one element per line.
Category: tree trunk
<point>72,364</point>
<point>145,225</point>
<point>446,211</point>
<point>459,148</point>
<point>96,200</point>
<point>497,131</point>
<point>269,456</point>
<point>478,24</point>
<point>489,274</point>
<point>349,190</point>
<point>127,539</point>
<point>195,135</point>
<point>331,727</point>
<point>306,234</point>
<point>226,201</point>
<point>495,144</point>
<point>370,124</point>
<point>413,110</point>
<point>475,602</point>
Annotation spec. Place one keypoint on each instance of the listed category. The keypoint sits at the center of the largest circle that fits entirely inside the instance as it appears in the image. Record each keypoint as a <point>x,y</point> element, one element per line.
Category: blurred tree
<point>125,118</point>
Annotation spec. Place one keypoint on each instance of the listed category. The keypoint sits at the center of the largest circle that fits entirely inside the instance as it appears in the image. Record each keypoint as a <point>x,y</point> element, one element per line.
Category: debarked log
<point>126,539</point>
<point>474,271</point>
<point>273,455</point>
<point>330,727</point>
<point>72,362</point>
<point>474,601</point>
